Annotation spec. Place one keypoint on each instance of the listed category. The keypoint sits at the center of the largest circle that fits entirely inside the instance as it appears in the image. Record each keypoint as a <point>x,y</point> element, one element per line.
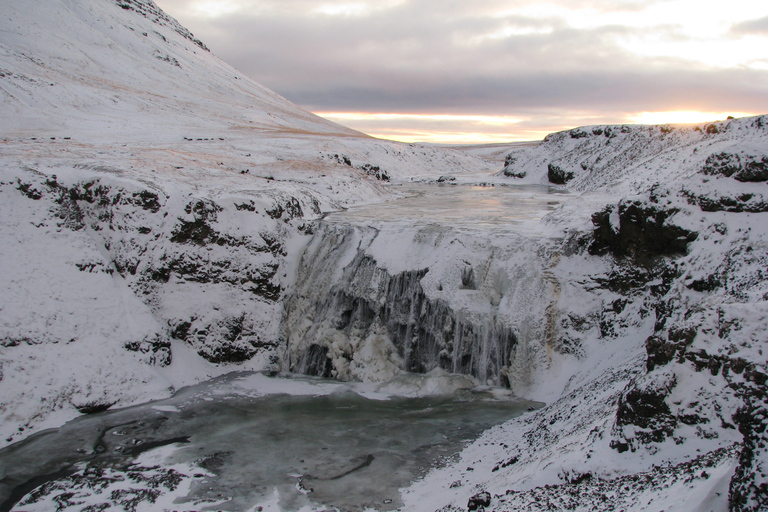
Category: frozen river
<point>490,207</point>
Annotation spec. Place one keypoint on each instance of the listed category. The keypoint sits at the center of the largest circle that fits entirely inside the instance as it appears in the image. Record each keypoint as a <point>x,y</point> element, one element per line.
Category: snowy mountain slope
<point>153,203</point>
<point>632,158</point>
<point>113,72</point>
<point>105,67</point>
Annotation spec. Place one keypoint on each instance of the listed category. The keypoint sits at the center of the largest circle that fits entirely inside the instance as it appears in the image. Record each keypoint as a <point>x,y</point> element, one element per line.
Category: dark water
<point>338,449</point>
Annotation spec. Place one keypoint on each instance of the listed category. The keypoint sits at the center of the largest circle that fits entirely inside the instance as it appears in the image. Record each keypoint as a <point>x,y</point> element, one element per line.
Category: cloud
<point>758,27</point>
<point>497,57</point>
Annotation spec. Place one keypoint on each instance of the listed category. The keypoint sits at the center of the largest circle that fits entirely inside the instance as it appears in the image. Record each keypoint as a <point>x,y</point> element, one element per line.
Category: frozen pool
<point>235,443</point>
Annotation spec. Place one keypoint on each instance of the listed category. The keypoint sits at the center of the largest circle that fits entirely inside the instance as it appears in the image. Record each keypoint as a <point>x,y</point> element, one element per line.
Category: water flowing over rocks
<point>354,319</point>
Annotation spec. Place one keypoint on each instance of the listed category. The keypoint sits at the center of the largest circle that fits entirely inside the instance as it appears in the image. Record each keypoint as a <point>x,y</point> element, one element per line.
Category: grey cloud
<point>431,57</point>
<point>758,26</point>
<point>529,95</point>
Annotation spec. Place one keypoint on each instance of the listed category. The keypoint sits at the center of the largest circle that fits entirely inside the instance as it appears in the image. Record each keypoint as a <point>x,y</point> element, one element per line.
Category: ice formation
<point>166,220</point>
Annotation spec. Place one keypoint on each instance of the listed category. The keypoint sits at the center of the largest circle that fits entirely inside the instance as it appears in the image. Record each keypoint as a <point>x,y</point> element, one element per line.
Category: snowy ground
<point>159,211</point>
<point>155,203</point>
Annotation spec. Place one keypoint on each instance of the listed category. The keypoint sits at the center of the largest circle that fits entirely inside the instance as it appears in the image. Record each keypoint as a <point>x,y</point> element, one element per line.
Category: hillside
<point>655,366</point>
<point>154,201</point>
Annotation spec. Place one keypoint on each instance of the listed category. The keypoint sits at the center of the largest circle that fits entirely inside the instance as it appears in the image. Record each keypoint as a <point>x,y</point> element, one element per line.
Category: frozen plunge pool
<point>245,441</point>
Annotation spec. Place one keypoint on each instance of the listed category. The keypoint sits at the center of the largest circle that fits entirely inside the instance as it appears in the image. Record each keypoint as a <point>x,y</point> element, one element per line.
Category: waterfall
<point>348,317</point>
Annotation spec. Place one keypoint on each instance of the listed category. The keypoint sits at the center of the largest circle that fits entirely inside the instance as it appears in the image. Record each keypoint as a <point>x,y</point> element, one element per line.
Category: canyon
<point>167,221</point>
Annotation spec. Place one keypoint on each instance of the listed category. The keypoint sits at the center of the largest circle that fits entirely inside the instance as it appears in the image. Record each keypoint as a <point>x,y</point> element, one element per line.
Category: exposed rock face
<point>555,174</point>
<point>371,318</point>
<point>701,387</point>
<point>740,166</point>
<point>113,279</point>
<point>150,10</point>
<point>161,252</point>
<point>638,229</point>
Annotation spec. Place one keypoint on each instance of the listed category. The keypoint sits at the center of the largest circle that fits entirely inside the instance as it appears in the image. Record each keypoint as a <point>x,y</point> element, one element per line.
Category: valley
<point>172,228</point>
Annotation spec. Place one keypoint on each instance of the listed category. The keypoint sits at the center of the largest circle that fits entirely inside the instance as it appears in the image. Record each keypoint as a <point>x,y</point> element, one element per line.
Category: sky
<point>453,71</point>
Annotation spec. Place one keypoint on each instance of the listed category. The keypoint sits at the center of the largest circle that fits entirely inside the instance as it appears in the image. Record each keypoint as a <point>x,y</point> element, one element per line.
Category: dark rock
<point>249,206</point>
<point>231,339</point>
<point>181,330</point>
<point>93,407</point>
<point>287,209</point>
<point>515,174</point>
<point>509,169</point>
<point>147,200</point>
<point>578,133</point>
<point>644,231</point>
<point>156,351</point>
<point>661,352</point>
<point>558,175</point>
<point>479,501</point>
<point>716,201</point>
<point>708,284</point>
<point>226,353</point>
<point>748,491</point>
<point>198,231</point>
<point>29,190</point>
<point>375,171</point>
<point>740,166</point>
<point>645,408</point>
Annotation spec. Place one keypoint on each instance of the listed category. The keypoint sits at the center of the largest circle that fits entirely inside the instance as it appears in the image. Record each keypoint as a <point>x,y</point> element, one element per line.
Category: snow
<point>165,220</point>
<point>132,123</point>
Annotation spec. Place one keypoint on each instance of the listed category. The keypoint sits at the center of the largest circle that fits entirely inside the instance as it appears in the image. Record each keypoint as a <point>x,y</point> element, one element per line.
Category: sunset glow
<point>434,128</point>
<point>462,129</point>
<point>365,116</point>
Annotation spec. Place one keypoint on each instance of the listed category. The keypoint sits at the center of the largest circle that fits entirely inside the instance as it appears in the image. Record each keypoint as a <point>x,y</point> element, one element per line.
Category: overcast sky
<point>494,70</point>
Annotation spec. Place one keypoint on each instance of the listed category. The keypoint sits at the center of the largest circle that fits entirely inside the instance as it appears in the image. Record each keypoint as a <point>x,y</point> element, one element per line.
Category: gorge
<point>167,228</point>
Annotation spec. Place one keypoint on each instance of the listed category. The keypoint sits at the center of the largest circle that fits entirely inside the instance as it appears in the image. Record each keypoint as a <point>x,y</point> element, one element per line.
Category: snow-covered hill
<point>631,158</point>
<point>664,299</point>
<point>153,203</point>
<point>155,206</point>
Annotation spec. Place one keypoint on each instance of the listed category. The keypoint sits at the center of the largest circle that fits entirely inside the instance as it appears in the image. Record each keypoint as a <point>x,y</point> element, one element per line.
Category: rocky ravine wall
<point>666,407</point>
<point>107,280</point>
<point>646,332</point>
